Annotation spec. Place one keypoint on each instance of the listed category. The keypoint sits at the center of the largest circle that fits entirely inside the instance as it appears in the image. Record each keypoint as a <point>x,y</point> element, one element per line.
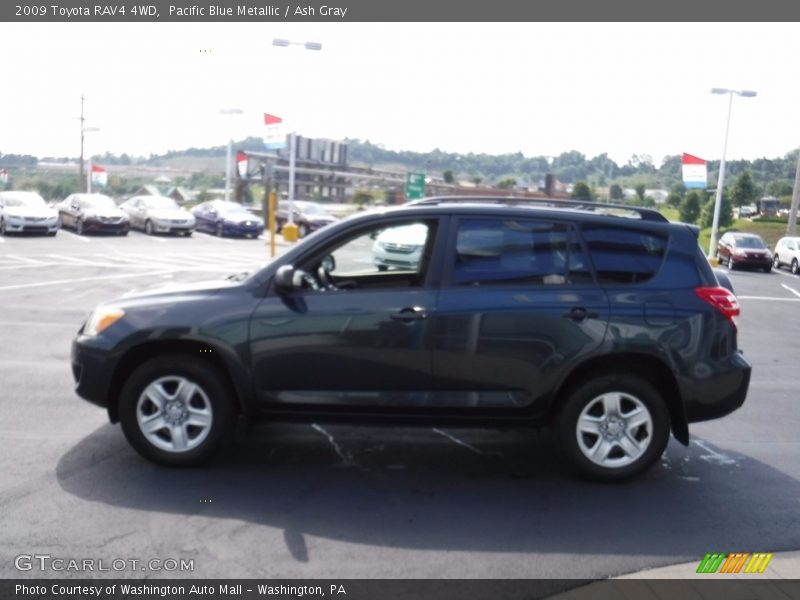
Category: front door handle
<point>408,314</point>
<point>579,313</point>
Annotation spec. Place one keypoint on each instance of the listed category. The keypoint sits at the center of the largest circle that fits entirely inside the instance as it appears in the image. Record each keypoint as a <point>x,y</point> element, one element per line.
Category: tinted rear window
<point>624,255</point>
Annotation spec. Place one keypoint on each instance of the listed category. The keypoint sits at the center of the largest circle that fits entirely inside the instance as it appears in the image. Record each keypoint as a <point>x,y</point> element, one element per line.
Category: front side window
<point>385,256</point>
<point>514,252</point>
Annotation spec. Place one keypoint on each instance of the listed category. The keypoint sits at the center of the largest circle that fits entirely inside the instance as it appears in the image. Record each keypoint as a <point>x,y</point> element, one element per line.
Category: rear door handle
<point>408,314</point>
<point>579,313</point>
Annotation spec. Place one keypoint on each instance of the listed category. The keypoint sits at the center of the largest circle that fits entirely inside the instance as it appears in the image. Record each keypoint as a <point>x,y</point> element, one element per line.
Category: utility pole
<point>82,179</point>
<point>791,227</point>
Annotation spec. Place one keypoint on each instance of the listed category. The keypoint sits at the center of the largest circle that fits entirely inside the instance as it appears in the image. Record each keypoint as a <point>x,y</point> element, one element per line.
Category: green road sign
<point>415,186</point>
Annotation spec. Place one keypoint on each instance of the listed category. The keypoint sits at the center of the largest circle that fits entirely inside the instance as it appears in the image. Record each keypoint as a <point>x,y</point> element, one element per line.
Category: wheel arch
<point>648,367</point>
<point>204,351</point>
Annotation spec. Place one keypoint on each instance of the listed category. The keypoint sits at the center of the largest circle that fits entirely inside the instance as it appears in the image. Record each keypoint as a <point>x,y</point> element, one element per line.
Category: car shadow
<point>451,489</point>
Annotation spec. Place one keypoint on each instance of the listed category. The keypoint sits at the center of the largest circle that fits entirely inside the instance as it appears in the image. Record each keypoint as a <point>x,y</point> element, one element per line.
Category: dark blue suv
<point>605,323</point>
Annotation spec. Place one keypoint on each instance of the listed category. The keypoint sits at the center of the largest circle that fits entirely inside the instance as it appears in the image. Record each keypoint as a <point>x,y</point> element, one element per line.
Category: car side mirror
<point>284,278</point>
<point>328,263</point>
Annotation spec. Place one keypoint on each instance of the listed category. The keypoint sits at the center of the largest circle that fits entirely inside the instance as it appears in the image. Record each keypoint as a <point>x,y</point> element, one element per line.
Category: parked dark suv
<point>604,323</point>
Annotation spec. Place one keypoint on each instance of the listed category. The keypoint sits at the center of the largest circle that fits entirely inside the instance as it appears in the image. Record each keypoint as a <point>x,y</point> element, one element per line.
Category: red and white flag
<point>99,176</point>
<point>241,164</point>
<point>274,136</point>
<point>3,176</point>
<point>695,174</point>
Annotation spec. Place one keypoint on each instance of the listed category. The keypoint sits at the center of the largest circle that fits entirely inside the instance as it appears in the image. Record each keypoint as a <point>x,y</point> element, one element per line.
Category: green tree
<point>689,209</point>
<point>616,193</point>
<point>640,190</point>
<point>674,200</point>
<point>448,176</point>
<point>725,212</point>
<point>507,183</point>
<point>744,190</point>
<point>477,180</point>
<point>581,191</point>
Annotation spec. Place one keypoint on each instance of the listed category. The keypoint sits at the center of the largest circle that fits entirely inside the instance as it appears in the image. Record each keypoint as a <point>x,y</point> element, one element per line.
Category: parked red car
<point>737,249</point>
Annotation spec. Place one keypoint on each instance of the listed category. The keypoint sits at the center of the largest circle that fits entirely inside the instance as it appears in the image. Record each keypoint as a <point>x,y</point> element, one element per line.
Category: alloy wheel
<point>174,414</point>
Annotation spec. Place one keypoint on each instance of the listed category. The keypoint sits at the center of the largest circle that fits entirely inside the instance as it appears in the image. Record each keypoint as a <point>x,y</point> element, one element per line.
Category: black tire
<point>768,269</point>
<point>776,262</point>
<point>79,227</point>
<point>220,230</point>
<point>123,233</point>
<point>214,391</point>
<point>795,267</point>
<point>633,392</point>
<point>148,227</point>
<point>382,268</point>
<point>3,227</point>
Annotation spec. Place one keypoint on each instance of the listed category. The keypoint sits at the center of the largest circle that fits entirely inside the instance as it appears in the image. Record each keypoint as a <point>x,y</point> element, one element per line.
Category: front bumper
<point>92,369</point>
<point>27,225</point>
<point>101,226</point>
<point>242,229</point>
<point>751,261</point>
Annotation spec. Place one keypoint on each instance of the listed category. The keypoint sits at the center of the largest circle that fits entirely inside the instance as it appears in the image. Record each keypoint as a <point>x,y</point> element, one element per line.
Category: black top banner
<point>336,11</point>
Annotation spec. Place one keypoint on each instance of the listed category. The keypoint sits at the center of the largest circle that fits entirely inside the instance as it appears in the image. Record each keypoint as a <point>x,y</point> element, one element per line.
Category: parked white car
<point>400,247</point>
<point>787,254</point>
<point>158,214</point>
<point>26,212</point>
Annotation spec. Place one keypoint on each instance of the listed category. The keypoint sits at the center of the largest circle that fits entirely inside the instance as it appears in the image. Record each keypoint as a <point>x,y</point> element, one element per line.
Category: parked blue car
<point>227,218</point>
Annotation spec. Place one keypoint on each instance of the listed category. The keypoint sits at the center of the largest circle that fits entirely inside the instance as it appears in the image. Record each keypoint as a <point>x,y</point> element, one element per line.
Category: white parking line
<point>791,289</point>
<point>214,237</point>
<point>79,261</point>
<point>768,298</point>
<point>66,281</point>
<point>2,240</point>
<point>84,239</point>
<point>25,259</point>
<point>27,266</point>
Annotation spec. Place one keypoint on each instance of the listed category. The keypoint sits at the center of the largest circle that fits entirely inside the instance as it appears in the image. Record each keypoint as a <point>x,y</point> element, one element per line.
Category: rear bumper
<point>719,393</point>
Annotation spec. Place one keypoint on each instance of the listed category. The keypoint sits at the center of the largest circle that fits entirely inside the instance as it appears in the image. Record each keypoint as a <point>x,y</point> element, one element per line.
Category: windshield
<point>310,208</point>
<point>160,202</point>
<point>98,201</point>
<point>29,199</point>
<point>230,207</point>
<point>750,242</point>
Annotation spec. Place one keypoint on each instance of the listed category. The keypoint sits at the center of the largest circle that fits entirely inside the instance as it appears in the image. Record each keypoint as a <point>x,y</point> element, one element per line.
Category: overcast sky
<point>537,88</point>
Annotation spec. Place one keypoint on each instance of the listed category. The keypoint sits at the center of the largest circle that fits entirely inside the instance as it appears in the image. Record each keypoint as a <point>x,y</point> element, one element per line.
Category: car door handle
<point>412,313</point>
<point>579,313</point>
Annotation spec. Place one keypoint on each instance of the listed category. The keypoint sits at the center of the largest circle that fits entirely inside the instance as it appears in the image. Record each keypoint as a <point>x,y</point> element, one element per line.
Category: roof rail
<point>645,214</point>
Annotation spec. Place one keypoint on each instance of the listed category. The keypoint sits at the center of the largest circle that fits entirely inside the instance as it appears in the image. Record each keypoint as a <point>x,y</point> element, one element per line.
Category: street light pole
<point>712,245</point>
<point>290,230</point>
<point>229,154</point>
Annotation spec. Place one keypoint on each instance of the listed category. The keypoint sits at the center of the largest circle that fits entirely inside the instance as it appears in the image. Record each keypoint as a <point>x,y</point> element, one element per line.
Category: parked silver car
<point>158,214</point>
<point>787,254</point>
<point>26,212</point>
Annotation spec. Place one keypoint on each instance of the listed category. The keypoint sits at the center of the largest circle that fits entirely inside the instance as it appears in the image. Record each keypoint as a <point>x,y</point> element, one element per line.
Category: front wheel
<point>220,230</point>
<point>776,262</point>
<point>795,267</point>
<point>148,227</point>
<point>79,227</point>
<point>174,410</point>
<point>612,427</point>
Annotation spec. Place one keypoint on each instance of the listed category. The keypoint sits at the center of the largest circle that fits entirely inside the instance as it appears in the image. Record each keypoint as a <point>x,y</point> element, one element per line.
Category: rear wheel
<point>795,267</point>
<point>174,410</point>
<point>776,262</point>
<point>3,227</point>
<point>148,227</point>
<point>220,229</point>
<point>79,227</point>
<point>612,427</point>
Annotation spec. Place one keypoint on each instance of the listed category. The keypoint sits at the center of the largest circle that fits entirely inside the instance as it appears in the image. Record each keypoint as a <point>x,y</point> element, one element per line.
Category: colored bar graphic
<point>734,562</point>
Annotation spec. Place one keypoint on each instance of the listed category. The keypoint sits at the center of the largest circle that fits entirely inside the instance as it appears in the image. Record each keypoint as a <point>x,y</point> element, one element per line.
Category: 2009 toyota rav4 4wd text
<point>609,327</point>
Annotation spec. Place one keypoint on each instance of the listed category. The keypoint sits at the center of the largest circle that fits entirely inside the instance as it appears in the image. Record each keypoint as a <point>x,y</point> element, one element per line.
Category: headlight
<point>102,318</point>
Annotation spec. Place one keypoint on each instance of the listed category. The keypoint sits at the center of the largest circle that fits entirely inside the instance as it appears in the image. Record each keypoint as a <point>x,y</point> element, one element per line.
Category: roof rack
<point>645,214</point>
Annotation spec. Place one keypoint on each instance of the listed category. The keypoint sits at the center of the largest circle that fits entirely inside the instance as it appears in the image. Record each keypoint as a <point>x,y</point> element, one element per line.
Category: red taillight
<point>722,299</point>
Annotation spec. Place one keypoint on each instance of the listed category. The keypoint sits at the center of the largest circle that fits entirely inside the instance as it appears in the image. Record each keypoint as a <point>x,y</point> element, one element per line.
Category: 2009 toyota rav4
<point>611,329</point>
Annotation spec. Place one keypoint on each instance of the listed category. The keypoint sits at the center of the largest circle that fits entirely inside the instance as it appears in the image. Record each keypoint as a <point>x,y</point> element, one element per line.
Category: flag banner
<point>3,176</point>
<point>695,173</point>
<point>99,176</point>
<point>241,164</point>
<point>274,136</point>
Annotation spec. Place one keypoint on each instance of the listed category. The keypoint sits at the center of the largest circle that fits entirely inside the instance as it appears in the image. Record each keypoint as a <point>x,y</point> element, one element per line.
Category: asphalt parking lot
<point>300,501</point>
